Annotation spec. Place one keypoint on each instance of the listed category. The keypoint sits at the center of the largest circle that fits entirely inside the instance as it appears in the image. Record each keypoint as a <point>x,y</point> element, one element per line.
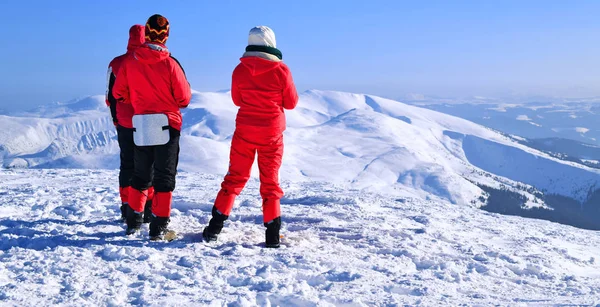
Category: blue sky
<point>58,50</point>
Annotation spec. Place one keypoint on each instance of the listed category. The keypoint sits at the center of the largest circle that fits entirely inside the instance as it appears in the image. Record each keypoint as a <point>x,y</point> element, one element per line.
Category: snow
<point>55,132</point>
<point>415,97</point>
<point>562,114</point>
<point>366,142</point>
<point>60,244</point>
<point>509,162</point>
<point>582,130</point>
<point>502,108</point>
<point>590,161</point>
<point>380,209</point>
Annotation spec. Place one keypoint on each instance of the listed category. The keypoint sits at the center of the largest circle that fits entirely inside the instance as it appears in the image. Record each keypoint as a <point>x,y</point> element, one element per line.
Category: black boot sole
<point>209,237</point>
<point>156,238</point>
<point>168,236</point>
<point>131,231</point>
<point>134,221</point>
<point>272,245</point>
<point>272,236</point>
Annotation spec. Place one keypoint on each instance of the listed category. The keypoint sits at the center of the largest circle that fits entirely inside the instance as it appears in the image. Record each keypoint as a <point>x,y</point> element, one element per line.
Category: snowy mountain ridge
<point>366,141</point>
<point>574,119</point>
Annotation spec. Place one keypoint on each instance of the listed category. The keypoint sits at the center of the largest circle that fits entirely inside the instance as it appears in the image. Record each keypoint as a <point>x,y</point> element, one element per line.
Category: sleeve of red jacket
<point>121,88</point>
<point>236,96</point>
<point>108,85</point>
<point>111,102</point>
<point>290,95</point>
<point>180,85</point>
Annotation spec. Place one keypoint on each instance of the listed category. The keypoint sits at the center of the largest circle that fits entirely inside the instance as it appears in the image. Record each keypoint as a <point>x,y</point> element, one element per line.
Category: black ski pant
<point>157,165</point>
<point>125,138</point>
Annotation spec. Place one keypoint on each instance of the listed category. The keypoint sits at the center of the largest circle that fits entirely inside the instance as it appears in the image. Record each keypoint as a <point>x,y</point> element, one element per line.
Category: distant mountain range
<point>366,141</point>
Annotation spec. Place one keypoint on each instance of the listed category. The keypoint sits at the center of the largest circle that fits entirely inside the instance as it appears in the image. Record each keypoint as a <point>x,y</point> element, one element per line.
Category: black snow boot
<point>212,231</point>
<point>124,212</point>
<point>272,233</point>
<point>158,228</point>
<point>148,212</point>
<point>134,221</point>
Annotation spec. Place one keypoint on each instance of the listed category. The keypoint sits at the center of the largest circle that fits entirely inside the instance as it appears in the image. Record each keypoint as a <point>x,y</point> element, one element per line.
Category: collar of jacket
<point>157,46</point>
<point>265,49</point>
<point>261,55</point>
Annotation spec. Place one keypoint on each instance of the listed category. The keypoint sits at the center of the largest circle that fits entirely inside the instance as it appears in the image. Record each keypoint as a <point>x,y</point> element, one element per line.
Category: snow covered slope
<point>61,245</point>
<point>370,142</point>
<point>542,117</point>
<point>48,134</point>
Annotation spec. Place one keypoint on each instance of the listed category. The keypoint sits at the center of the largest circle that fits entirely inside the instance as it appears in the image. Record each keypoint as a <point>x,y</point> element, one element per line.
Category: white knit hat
<point>262,36</point>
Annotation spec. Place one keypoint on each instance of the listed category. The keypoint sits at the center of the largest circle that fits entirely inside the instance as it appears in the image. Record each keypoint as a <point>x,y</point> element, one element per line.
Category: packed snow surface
<point>61,243</point>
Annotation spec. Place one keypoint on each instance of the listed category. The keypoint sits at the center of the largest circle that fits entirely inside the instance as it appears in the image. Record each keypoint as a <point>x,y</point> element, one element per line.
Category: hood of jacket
<point>136,37</point>
<point>151,53</point>
<point>257,65</point>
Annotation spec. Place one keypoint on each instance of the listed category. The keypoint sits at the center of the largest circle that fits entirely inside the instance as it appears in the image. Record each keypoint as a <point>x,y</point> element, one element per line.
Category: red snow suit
<point>153,82</point>
<point>262,89</point>
<point>122,113</point>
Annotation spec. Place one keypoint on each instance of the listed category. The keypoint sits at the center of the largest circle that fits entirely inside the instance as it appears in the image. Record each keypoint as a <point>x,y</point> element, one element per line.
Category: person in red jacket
<point>262,87</point>
<point>121,115</point>
<point>154,83</point>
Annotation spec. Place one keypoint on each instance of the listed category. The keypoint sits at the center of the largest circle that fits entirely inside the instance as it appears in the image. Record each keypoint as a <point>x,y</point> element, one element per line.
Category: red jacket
<point>153,82</point>
<point>262,89</point>
<point>122,113</point>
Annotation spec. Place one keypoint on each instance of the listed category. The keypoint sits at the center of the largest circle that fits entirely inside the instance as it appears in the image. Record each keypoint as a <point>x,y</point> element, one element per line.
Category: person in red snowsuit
<point>262,87</point>
<point>121,115</point>
<point>154,82</point>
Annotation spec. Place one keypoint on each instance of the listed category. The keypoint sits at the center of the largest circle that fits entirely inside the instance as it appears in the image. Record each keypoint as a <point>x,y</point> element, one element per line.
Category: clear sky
<point>59,50</point>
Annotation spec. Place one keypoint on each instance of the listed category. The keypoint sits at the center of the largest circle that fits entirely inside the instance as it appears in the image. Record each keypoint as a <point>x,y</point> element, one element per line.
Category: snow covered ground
<point>60,243</point>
